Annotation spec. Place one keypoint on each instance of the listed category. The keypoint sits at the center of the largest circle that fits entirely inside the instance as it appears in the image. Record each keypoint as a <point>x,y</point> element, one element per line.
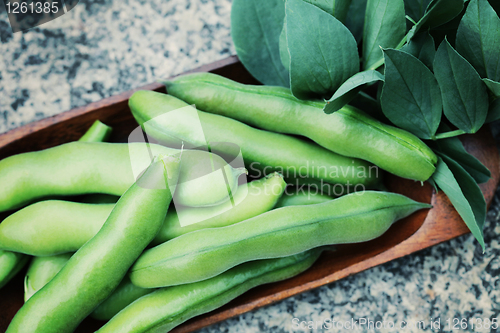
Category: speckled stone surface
<point>104,47</point>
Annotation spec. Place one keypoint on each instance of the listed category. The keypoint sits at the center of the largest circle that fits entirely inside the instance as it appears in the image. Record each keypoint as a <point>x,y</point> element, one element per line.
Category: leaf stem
<point>450,134</point>
<point>381,61</point>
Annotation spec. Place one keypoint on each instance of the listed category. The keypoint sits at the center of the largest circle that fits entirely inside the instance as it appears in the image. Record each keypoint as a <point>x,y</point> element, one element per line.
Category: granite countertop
<point>104,47</point>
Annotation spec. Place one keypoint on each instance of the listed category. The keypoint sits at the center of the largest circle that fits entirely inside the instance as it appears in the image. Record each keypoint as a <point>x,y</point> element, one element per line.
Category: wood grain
<point>419,231</point>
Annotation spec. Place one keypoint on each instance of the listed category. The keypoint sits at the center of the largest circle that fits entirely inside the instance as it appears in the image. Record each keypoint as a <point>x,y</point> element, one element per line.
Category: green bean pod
<point>201,184</point>
<point>263,151</point>
<point>94,167</point>
<point>41,271</point>
<point>98,132</point>
<point>252,199</point>
<point>53,227</point>
<point>302,197</point>
<point>348,131</point>
<point>10,264</point>
<point>93,272</point>
<point>202,254</point>
<point>167,308</point>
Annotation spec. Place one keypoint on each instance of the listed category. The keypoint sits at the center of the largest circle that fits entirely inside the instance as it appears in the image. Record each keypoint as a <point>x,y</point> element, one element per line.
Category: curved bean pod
<point>348,131</point>
<point>167,308</point>
<point>95,270</point>
<point>52,227</point>
<point>41,271</point>
<point>10,264</point>
<point>263,151</point>
<point>94,167</point>
<point>202,254</point>
<point>251,199</point>
<point>201,184</point>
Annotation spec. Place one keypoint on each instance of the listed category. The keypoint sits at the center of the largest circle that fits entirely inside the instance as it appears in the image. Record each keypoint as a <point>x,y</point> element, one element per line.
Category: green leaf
<point>416,8</point>
<point>422,47</point>
<point>255,29</point>
<point>494,111</point>
<point>337,8</point>
<point>464,194</point>
<point>350,88</point>
<point>478,39</point>
<point>454,149</point>
<point>493,86</point>
<point>356,18</point>
<point>439,12</point>
<point>411,98</point>
<point>323,53</point>
<point>385,27</point>
<point>465,99</point>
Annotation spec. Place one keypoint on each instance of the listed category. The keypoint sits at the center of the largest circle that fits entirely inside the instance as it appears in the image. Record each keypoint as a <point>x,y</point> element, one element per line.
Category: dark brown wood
<point>419,231</point>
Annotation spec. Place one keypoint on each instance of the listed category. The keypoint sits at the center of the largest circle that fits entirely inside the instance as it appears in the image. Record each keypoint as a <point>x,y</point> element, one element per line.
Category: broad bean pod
<point>43,269</point>
<point>94,167</point>
<point>10,264</point>
<point>297,159</point>
<point>167,308</point>
<point>202,254</point>
<point>52,227</point>
<point>349,131</point>
<point>95,270</point>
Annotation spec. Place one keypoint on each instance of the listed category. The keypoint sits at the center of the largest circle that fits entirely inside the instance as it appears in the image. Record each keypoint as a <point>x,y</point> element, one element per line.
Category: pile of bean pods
<point>145,235</point>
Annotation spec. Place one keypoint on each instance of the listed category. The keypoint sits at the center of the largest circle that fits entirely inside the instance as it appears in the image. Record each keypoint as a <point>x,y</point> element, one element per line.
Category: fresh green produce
<point>252,199</point>
<point>52,227</point>
<point>253,25</point>
<point>349,131</point>
<point>98,132</point>
<point>202,254</point>
<point>94,167</point>
<point>429,67</point>
<point>124,294</point>
<point>41,271</point>
<point>301,197</point>
<point>10,264</point>
<point>166,308</point>
<point>93,272</point>
<point>261,196</point>
<point>263,151</point>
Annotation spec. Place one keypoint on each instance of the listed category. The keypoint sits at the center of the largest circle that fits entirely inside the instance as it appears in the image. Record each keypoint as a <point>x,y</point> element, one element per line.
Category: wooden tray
<point>419,231</point>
